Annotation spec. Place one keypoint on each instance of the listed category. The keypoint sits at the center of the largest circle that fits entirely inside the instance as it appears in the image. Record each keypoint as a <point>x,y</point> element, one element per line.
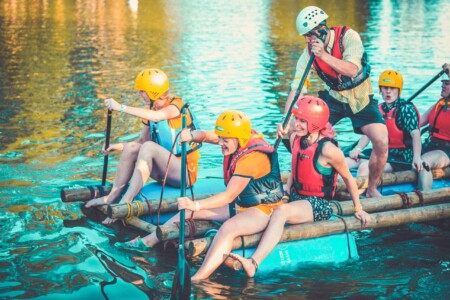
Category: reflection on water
<point>60,59</point>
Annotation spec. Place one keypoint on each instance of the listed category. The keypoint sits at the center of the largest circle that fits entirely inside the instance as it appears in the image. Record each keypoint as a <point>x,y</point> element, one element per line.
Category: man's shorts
<point>339,110</point>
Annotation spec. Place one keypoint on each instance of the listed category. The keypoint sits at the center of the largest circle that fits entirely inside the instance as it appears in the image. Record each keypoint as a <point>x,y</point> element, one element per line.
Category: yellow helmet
<point>234,124</point>
<point>153,81</point>
<point>391,78</point>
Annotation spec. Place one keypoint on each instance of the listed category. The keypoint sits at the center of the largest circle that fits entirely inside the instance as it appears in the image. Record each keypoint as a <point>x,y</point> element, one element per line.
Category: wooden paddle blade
<point>181,288</point>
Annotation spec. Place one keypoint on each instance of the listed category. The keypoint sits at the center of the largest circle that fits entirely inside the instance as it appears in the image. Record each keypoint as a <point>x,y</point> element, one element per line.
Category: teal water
<point>59,59</point>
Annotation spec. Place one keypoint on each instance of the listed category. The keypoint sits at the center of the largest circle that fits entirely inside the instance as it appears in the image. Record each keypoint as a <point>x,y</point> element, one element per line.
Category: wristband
<point>123,108</point>
<point>358,208</point>
<point>197,206</point>
<point>358,149</point>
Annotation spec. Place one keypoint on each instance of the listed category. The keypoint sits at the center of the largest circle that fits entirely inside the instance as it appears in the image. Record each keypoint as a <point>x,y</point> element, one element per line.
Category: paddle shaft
<point>107,138</point>
<point>425,86</point>
<point>181,290</point>
<point>294,101</point>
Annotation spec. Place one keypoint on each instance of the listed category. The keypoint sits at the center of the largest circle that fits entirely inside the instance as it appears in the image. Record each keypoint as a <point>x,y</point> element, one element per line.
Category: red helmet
<point>314,111</point>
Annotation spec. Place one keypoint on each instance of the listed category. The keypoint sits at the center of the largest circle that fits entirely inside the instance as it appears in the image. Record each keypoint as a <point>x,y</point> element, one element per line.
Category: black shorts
<point>339,110</point>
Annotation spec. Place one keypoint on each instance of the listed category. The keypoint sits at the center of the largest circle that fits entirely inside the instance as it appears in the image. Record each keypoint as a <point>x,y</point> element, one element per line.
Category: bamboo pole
<point>91,192</point>
<point>172,231</point>
<point>322,228</point>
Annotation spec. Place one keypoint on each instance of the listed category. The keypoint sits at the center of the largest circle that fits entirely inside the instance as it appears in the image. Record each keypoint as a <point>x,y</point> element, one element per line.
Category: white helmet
<point>309,18</point>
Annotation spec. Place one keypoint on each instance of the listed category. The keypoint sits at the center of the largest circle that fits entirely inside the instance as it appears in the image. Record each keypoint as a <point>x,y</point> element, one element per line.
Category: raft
<point>310,247</point>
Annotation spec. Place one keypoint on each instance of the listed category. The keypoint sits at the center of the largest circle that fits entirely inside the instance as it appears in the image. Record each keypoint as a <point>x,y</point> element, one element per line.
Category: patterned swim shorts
<point>321,207</point>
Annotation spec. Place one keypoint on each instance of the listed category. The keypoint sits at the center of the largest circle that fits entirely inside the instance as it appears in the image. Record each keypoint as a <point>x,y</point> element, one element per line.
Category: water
<point>60,59</point>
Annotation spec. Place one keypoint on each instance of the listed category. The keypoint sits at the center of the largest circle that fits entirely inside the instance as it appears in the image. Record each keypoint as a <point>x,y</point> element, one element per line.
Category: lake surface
<point>60,59</point>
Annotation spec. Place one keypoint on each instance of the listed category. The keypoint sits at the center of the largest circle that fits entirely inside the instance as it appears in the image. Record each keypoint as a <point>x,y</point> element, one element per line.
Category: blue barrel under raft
<point>152,191</point>
<point>334,248</point>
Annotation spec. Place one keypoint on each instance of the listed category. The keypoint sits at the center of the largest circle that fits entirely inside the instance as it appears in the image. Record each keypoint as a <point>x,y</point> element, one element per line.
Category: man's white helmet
<point>309,18</point>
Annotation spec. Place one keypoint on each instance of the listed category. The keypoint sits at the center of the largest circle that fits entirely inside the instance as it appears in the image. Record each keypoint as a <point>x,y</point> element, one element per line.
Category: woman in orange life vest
<point>255,190</point>
<point>402,122</point>
<point>147,156</point>
<point>316,162</point>
<point>436,150</point>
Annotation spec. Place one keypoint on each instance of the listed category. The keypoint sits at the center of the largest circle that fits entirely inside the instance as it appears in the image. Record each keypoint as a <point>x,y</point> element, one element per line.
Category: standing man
<point>341,63</point>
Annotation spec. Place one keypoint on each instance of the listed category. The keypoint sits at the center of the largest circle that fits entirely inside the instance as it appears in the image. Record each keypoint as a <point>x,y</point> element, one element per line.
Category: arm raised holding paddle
<point>338,57</point>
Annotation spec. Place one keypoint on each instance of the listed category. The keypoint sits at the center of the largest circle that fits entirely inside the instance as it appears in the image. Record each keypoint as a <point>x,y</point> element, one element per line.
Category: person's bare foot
<point>373,193</point>
<point>97,202</point>
<point>108,221</point>
<point>249,265</point>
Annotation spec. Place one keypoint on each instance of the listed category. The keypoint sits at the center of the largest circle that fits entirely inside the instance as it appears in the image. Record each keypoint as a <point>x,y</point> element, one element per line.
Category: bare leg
<point>248,222</point>
<point>124,170</point>
<point>293,213</point>
<point>434,159</point>
<point>377,133</point>
<point>152,162</point>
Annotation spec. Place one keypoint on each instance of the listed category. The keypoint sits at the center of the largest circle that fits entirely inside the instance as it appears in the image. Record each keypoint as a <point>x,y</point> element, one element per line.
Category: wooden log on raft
<point>91,192</point>
<point>141,224</point>
<point>195,229</point>
<point>322,228</point>
<point>393,178</point>
<point>85,194</point>
<point>343,208</point>
<point>138,208</point>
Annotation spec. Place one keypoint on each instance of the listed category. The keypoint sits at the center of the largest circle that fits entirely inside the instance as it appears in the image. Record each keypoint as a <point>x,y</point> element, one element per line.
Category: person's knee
<point>380,145</point>
<point>363,169</point>
<point>148,149</point>
<point>280,213</point>
<point>131,149</point>
<point>227,229</point>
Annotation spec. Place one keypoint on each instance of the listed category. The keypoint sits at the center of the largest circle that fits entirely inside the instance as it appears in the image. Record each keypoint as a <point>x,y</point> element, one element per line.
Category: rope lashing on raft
<point>338,206</point>
<point>347,234</point>
<point>406,201</point>
<point>96,191</point>
<point>149,207</point>
<point>192,231</point>
<point>420,195</point>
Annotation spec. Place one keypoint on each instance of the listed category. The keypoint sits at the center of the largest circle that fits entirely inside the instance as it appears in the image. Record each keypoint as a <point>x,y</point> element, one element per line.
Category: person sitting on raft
<point>402,121</point>
<point>436,150</point>
<point>252,177</point>
<point>316,162</point>
<point>148,155</point>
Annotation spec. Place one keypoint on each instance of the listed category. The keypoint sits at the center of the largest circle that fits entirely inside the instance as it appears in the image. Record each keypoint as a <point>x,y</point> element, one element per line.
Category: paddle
<point>425,166</point>
<point>294,101</point>
<point>181,288</point>
<point>108,135</point>
<point>425,86</point>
